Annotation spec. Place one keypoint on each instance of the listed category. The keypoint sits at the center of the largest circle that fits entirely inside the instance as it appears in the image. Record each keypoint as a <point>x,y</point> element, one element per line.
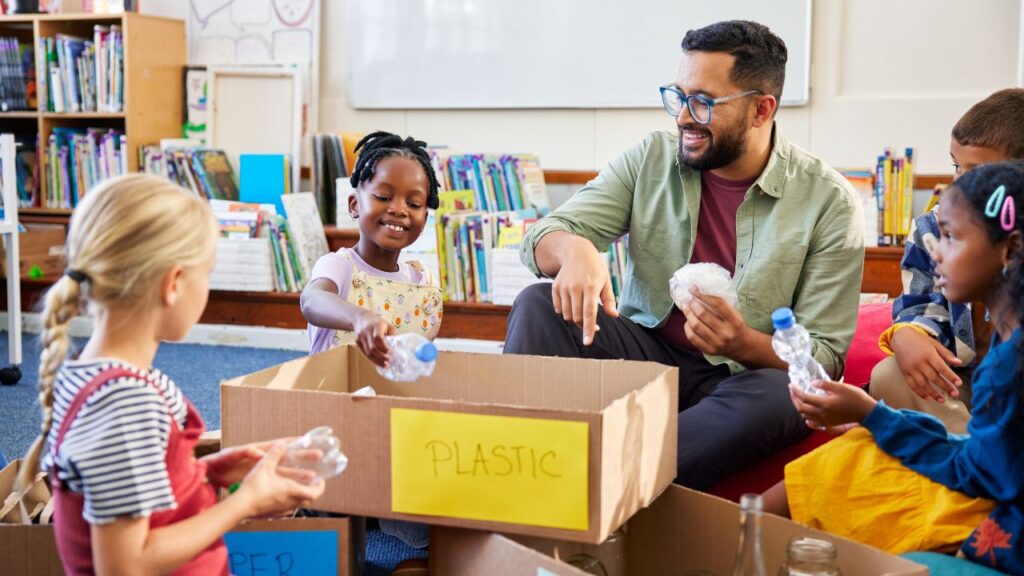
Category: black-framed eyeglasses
<point>699,105</point>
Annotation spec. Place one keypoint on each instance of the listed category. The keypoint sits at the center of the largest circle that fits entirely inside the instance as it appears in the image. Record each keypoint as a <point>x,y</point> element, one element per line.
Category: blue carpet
<point>198,370</point>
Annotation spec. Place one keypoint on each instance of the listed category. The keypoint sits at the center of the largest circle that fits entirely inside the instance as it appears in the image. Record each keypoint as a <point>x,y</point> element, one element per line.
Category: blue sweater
<point>987,463</point>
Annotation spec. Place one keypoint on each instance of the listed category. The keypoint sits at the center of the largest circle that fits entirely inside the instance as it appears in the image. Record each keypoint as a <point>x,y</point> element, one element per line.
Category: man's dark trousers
<point>726,423</point>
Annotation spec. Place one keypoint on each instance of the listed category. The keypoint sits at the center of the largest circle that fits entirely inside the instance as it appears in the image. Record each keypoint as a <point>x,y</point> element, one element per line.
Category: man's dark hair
<point>375,147</point>
<point>760,54</point>
<point>996,122</point>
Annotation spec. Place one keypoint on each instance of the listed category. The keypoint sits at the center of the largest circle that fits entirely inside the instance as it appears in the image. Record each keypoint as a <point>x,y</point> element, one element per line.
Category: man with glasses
<point>724,187</point>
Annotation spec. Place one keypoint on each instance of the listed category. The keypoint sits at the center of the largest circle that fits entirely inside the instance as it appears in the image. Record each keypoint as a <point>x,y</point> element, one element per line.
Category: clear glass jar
<point>810,557</point>
<point>605,559</point>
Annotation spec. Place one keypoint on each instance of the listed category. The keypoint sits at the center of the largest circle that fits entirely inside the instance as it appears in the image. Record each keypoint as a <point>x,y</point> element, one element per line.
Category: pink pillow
<point>872,320</point>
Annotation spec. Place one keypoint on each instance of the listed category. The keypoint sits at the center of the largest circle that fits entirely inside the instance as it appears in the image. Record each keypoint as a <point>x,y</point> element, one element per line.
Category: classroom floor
<point>198,370</point>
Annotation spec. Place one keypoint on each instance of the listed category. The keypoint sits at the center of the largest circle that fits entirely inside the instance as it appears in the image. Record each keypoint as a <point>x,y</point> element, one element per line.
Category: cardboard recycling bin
<point>553,447</point>
<point>683,533</point>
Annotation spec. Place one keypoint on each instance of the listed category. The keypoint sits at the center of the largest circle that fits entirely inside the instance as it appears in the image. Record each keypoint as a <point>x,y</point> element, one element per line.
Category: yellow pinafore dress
<point>406,306</point>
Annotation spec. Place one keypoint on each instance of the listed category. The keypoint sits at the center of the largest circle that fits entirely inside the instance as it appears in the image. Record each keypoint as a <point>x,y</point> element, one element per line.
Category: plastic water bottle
<point>412,356</point>
<point>332,462</point>
<point>793,345</point>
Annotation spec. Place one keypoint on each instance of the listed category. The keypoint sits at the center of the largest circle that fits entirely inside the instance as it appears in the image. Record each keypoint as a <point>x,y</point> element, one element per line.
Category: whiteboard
<point>544,53</point>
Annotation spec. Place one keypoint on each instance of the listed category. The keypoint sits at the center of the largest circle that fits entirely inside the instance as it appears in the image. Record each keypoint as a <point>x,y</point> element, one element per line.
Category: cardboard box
<point>29,549</point>
<point>41,246</point>
<point>553,447</point>
<point>307,546</point>
<point>684,532</point>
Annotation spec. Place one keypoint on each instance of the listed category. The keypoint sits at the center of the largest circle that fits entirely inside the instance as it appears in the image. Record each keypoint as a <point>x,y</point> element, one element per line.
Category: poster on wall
<point>255,33</point>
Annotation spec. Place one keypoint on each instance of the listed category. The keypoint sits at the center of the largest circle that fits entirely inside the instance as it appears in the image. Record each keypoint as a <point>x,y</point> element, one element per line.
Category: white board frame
<point>217,138</point>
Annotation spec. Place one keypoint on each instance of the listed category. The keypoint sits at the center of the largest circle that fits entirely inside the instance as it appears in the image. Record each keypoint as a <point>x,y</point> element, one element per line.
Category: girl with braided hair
<point>363,294</point>
<point>117,435</point>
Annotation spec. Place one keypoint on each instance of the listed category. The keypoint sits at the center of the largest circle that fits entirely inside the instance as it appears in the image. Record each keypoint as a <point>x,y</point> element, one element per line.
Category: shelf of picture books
<point>475,253</point>
<point>64,92</point>
<point>499,182</point>
<point>889,192</point>
<point>268,245</point>
<point>205,171</point>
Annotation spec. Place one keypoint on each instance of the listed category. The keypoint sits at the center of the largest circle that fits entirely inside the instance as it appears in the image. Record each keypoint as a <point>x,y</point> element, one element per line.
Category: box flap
<point>458,552</point>
<point>711,526</point>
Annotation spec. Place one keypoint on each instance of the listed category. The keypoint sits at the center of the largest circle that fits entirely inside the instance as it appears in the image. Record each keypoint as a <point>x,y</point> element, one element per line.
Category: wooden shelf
<point>461,319</point>
<point>83,115</point>
<point>66,212</point>
<point>154,59</point>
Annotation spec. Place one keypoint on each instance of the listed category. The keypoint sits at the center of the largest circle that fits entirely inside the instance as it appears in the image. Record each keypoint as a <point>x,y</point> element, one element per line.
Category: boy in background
<point>934,344</point>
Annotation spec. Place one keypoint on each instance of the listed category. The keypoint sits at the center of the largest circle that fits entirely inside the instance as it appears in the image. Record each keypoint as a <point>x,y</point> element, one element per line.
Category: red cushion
<point>872,320</point>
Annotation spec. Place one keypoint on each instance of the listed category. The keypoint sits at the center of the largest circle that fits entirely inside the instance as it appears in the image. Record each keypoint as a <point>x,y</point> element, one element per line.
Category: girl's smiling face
<point>966,260</point>
<point>391,208</point>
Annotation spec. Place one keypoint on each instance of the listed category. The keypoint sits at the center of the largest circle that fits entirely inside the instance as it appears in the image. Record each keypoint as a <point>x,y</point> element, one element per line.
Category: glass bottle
<point>750,558</point>
<point>605,559</point>
<point>810,557</point>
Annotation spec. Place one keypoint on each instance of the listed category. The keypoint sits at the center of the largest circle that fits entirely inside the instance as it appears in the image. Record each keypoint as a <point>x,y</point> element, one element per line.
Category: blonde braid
<point>63,302</point>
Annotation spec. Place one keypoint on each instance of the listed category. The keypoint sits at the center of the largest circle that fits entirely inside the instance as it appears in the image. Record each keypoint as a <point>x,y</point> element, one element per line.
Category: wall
<point>898,80</point>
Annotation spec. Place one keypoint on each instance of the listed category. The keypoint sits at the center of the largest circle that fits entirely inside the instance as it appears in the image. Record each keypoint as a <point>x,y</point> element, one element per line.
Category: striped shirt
<point>114,451</point>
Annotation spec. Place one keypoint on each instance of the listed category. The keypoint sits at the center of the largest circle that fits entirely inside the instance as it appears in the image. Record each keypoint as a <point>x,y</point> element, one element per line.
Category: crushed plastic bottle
<point>331,463</point>
<point>792,343</point>
<point>412,356</point>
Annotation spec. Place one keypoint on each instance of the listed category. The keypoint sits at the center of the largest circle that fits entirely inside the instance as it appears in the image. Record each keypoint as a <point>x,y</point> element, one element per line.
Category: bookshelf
<point>154,58</point>
<point>461,319</point>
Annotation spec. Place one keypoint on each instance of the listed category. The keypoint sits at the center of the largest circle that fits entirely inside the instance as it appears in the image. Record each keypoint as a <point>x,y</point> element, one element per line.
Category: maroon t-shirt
<point>716,238</point>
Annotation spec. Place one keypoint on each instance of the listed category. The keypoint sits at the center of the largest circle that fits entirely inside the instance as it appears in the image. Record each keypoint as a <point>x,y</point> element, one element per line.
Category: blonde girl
<point>117,435</point>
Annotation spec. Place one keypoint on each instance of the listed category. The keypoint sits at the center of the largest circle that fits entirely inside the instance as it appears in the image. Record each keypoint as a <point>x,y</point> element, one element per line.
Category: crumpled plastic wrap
<point>708,277</point>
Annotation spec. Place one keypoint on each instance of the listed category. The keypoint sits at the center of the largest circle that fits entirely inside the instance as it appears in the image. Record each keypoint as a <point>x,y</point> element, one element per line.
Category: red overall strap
<point>79,400</point>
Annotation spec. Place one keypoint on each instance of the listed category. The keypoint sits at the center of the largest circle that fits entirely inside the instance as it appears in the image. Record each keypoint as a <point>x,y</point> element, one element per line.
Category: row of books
<point>499,182</point>
<point>328,165</point>
<point>17,75</point>
<point>205,171</point>
<point>260,250</point>
<point>79,158</point>
<point>476,253</point>
<point>894,196</point>
<point>83,75</point>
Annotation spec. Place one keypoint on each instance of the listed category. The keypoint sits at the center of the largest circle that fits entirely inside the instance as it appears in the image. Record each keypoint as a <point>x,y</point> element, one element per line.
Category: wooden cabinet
<point>154,60</point>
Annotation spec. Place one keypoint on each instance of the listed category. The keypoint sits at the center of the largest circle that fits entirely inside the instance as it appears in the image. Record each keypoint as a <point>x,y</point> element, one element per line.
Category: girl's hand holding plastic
<point>270,489</point>
<point>370,337</point>
<point>231,465</point>
<point>843,404</point>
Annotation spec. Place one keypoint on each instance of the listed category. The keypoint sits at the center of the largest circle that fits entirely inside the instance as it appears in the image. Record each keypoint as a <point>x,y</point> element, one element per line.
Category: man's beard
<point>721,150</point>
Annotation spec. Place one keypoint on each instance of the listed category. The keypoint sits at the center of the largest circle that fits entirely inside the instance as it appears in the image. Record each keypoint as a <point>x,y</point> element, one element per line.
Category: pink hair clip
<point>1008,215</point>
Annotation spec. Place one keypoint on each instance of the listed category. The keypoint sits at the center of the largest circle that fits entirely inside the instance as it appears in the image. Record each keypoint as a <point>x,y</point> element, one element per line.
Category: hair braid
<point>379,145</point>
<point>63,302</point>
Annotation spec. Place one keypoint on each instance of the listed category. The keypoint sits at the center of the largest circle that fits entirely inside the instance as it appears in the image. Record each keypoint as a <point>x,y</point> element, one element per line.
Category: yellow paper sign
<point>500,468</point>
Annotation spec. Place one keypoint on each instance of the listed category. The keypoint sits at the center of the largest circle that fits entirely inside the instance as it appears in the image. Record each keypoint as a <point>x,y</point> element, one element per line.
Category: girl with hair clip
<point>117,435</point>
<point>904,483</point>
<point>363,294</point>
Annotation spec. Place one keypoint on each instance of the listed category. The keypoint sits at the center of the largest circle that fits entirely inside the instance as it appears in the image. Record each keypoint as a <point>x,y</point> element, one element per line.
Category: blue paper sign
<point>313,553</point>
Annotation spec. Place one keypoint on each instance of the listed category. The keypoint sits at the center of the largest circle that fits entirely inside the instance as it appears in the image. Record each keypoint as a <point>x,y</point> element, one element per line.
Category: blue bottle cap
<point>783,319</point>
<point>426,352</point>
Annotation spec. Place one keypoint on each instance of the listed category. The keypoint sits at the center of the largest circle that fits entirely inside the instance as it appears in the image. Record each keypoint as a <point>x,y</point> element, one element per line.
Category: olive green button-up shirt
<point>799,239</point>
